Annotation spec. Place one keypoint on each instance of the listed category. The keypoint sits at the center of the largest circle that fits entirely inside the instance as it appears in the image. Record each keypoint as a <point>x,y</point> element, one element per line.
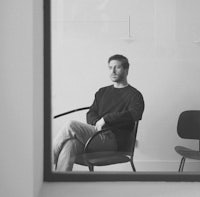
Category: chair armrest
<point>107,129</point>
<point>71,111</point>
<point>93,136</point>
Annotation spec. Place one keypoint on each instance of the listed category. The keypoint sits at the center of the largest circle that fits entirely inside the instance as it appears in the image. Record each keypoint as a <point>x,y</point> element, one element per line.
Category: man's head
<point>121,58</point>
<point>118,66</point>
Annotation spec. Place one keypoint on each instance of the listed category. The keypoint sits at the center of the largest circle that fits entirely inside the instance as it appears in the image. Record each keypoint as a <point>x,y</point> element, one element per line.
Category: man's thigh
<point>105,142</point>
<point>80,131</point>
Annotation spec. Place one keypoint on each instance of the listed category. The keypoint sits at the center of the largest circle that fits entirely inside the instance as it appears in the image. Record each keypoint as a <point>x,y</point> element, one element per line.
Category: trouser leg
<point>71,139</point>
<point>71,130</point>
<point>68,154</point>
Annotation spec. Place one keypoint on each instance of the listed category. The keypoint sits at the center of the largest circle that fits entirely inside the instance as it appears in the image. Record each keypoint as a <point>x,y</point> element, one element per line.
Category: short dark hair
<point>120,58</point>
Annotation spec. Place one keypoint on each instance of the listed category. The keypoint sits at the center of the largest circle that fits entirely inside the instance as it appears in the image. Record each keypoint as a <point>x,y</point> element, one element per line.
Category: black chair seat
<point>187,152</point>
<point>102,158</point>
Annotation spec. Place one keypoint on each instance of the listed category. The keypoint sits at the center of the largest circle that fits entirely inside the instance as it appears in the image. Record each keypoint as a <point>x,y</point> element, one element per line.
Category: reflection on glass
<point>164,67</point>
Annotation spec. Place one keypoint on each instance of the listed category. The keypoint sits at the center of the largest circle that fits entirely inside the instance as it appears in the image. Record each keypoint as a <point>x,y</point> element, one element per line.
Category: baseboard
<point>147,166</point>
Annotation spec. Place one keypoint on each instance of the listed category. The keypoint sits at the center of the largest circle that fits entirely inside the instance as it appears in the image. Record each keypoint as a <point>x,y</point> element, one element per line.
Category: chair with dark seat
<point>188,128</point>
<point>98,158</point>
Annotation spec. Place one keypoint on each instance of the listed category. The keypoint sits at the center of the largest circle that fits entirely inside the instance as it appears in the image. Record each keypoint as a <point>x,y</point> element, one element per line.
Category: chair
<point>188,128</point>
<point>91,159</point>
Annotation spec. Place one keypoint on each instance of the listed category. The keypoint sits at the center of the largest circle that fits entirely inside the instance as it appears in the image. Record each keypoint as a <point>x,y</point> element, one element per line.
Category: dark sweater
<point>119,107</point>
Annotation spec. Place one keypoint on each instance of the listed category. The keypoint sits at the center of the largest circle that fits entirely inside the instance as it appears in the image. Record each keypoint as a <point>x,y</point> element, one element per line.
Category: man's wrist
<point>103,121</point>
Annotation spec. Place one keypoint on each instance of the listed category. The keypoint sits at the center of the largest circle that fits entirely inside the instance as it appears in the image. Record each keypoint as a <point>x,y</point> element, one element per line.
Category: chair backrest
<point>189,124</point>
<point>132,139</point>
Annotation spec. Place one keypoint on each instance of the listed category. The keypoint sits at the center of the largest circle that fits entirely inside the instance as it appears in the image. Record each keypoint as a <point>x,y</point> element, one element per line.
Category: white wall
<point>16,103</point>
<point>164,66</point>
<point>21,128</point>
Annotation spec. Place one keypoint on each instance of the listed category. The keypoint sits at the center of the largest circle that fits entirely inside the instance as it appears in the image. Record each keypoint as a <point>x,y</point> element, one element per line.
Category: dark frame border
<point>50,176</point>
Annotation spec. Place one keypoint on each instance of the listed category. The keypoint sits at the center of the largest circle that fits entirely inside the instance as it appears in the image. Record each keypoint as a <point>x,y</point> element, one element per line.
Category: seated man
<point>117,105</point>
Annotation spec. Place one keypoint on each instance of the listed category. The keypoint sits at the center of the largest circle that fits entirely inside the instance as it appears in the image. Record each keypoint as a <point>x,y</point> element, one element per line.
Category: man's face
<point>117,72</point>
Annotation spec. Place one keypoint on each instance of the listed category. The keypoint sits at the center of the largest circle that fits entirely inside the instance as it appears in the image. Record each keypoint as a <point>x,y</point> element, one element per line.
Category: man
<point>116,106</point>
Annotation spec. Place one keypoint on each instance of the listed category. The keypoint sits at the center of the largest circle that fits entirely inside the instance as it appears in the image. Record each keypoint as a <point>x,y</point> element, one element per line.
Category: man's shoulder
<point>130,89</point>
<point>134,90</point>
<point>105,88</point>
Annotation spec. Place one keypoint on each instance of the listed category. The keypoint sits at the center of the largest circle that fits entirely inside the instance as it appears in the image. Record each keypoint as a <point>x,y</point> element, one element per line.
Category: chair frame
<point>183,151</point>
<point>89,141</point>
<point>130,154</point>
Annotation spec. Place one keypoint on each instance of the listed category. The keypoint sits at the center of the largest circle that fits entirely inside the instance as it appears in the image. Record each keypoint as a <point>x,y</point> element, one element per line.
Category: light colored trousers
<point>70,141</point>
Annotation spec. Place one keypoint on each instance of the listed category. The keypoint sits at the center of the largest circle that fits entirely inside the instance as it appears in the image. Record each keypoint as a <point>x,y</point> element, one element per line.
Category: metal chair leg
<point>132,165</point>
<point>181,166</point>
<point>91,168</point>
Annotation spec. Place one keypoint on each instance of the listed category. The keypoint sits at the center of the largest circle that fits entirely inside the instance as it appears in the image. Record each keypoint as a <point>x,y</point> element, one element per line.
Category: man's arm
<point>134,112</point>
<point>92,115</point>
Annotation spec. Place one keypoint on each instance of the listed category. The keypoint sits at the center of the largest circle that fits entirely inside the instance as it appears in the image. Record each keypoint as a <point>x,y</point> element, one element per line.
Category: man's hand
<point>99,124</point>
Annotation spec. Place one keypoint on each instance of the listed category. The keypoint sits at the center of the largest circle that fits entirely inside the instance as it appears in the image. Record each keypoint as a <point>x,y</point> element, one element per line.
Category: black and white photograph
<point>124,81</point>
<point>99,98</point>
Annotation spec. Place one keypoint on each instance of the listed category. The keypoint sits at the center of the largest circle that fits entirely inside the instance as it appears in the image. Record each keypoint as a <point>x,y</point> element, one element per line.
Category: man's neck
<point>121,85</point>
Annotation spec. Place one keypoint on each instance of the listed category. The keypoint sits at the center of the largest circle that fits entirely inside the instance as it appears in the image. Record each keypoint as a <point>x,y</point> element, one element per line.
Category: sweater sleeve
<point>133,113</point>
<point>92,114</point>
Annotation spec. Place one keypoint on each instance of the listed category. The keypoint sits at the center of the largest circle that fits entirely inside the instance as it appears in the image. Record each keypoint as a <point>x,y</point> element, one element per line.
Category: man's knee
<point>71,124</point>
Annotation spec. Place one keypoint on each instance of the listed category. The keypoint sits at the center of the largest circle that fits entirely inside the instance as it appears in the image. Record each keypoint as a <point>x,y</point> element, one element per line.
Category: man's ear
<point>127,71</point>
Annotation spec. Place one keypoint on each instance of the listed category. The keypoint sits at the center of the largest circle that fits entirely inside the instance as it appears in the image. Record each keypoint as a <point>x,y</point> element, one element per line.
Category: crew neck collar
<point>121,87</point>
